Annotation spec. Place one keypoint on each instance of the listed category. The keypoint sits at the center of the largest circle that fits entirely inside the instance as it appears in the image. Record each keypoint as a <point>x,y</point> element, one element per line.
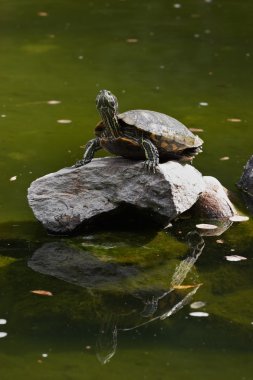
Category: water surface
<point>121,298</point>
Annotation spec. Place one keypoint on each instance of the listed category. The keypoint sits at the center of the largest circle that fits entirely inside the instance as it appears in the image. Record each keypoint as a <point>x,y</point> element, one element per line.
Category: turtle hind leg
<point>151,154</point>
<point>91,147</point>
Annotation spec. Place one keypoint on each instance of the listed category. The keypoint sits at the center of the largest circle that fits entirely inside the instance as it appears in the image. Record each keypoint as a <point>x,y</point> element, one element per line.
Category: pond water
<point>122,300</point>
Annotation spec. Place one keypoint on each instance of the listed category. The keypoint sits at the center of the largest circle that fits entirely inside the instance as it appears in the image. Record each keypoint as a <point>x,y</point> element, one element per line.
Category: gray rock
<point>246,181</point>
<point>64,200</point>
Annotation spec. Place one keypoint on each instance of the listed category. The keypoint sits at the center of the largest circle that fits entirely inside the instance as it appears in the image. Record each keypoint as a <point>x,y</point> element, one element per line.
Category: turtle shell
<point>164,130</point>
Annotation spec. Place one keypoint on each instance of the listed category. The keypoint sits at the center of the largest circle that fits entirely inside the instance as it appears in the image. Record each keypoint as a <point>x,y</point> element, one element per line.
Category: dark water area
<point>122,298</point>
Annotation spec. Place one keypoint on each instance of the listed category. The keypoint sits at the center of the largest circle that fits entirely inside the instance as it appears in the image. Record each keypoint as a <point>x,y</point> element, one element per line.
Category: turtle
<point>140,135</point>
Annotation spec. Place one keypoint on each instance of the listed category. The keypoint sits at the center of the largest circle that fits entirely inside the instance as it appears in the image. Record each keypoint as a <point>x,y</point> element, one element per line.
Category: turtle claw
<point>81,163</point>
<point>150,166</point>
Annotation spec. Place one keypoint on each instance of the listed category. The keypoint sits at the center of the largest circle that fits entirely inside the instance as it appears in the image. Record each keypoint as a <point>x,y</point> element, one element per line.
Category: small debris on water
<point>177,5</point>
<point>132,40</point>
<point>3,116</point>
<point>42,292</point>
<point>196,35</point>
<point>204,226</point>
<point>42,14</point>
<point>182,287</point>
<point>168,226</point>
<point>13,178</point>
<point>203,104</point>
<point>225,158</point>
<point>64,121</point>
<point>88,347</point>
<point>3,321</point>
<point>53,102</point>
<point>197,304</point>
<point>196,129</point>
<point>239,218</point>
<point>44,355</point>
<point>80,57</point>
<point>235,258</point>
<point>3,334</point>
<point>199,314</point>
<point>234,120</point>
<point>220,241</point>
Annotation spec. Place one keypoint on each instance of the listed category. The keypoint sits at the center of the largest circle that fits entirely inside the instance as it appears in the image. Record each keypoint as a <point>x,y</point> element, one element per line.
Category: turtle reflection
<point>107,339</point>
<point>140,301</point>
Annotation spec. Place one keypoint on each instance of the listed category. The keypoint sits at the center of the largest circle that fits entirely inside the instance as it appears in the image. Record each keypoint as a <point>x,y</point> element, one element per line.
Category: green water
<point>126,321</point>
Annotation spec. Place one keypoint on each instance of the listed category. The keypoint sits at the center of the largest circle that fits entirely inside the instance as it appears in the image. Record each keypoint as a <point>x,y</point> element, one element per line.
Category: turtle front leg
<point>151,154</point>
<point>91,147</point>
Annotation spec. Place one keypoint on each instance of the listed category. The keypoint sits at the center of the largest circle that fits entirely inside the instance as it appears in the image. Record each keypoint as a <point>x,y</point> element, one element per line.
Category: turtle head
<point>107,103</point>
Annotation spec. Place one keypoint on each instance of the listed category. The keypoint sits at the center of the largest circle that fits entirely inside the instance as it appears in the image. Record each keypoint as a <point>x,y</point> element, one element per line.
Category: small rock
<point>246,181</point>
<point>214,203</point>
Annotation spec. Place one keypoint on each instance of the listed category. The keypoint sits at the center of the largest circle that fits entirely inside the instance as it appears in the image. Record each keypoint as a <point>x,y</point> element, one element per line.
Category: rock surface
<point>71,197</point>
<point>246,181</point>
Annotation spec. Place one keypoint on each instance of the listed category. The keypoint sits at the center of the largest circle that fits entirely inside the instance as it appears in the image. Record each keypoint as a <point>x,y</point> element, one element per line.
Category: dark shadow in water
<point>248,201</point>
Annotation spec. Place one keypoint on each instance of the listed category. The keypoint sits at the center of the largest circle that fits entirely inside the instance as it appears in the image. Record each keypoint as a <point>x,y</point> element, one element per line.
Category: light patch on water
<point>64,121</point>
<point>197,304</point>
<point>199,314</point>
<point>235,258</point>
<point>3,321</point>
<point>3,334</point>
<point>204,226</point>
<point>53,102</point>
<point>39,48</point>
<point>239,218</point>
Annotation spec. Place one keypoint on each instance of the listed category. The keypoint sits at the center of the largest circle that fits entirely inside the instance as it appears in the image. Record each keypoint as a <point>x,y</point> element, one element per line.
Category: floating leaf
<point>53,102</point>
<point>198,314</point>
<point>225,158</point>
<point>235,258</point>
<point>132,40</point>
<point>42,292</point>
<point>197,305</point>
<point>196,129</point>
<point>42,14</point>
<point>13,178</point>
<point>204,226</point>
<point>64,121</point>
<point>239,218</point>
<point>234,120</point>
